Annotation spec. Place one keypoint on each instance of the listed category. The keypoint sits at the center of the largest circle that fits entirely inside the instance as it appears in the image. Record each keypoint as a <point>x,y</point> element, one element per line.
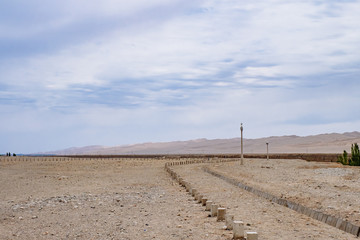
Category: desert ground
<point>137,199</point>
<point>98,199</point>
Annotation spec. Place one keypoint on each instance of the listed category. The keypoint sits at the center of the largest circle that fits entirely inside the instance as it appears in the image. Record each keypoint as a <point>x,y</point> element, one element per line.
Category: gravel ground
<point>328,187</point>
<point>136,199</point>
<point>99,199</point>
<point>270,220</point>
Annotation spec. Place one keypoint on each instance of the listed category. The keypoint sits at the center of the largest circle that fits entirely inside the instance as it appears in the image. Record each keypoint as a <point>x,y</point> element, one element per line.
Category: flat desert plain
<point>137,199</point>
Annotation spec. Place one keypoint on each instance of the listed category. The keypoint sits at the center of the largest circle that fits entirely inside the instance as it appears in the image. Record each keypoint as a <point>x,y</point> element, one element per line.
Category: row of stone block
<point>34,159</point>
<point>56,159</point>
<point>216,210</point>
<point>197,161</point>
<point>320,216</point>
<point>40,159</point>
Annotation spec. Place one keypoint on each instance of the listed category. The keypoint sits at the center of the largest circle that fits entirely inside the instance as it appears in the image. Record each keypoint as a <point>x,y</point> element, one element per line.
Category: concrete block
<point>199,198</point>
<point>296,207</point>
<point>283,202</point>
<point>188,187</point>
<point>333,221</point>
<point>355,230</point>
<point>229,219</point>
<point>312,214</point>
<point>214,208</point>
<point>320,216</point>
<point>324,218</point>
<point>316,215</point>
<point>203,201</point>
<point>193,192</point>
<point>238,230</point>
<point>348,227</point>
<point>303,209</point>
<point>343,225</point>
<point>338,223</point>
<point>329,220</point>
<point>221,212</point>
<point>251,236</point>
<point>305,212</point>
<point>308,212</point>
<point>208,205</point>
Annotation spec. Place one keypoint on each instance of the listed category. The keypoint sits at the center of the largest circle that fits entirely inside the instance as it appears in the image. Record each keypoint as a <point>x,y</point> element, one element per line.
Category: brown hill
<point>323,143</point>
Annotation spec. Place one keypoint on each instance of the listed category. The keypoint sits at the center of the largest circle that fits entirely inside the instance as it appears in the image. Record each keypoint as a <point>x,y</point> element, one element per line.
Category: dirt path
<point>270,220</point>
<point>97,199</point>
<point>328,187</point>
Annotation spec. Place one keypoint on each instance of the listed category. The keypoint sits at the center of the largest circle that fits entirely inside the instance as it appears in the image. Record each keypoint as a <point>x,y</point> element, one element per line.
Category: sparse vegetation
<point>343,159</point>
<point>353,159</point>
<point>8,154</point>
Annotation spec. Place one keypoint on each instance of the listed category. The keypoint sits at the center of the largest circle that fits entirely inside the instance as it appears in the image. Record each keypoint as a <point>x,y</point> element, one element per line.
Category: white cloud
<point>196,68</point>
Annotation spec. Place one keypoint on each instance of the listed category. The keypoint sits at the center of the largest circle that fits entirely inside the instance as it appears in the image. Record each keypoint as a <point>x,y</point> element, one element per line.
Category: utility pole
<point>267,151</point>
<point>242,146</point>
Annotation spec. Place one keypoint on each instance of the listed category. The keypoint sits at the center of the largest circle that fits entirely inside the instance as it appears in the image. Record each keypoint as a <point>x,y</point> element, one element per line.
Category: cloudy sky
<point>77,73</point>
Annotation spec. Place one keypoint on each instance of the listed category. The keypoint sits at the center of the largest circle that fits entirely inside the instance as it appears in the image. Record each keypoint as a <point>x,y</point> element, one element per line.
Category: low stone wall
<point>317,215</point>
<point>216,210</point>
<point>320,216</point>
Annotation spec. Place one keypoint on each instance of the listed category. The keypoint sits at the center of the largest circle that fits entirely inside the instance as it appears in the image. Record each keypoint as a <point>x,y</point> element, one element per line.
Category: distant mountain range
<point>323,143</point>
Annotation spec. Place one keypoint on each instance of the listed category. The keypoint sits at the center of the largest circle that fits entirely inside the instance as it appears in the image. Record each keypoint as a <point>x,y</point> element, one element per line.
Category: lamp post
<point>267,151</point>
<point>242,147</point>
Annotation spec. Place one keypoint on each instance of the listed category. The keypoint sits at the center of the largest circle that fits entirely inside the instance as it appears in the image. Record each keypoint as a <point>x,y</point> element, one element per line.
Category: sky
<point>79,73</point>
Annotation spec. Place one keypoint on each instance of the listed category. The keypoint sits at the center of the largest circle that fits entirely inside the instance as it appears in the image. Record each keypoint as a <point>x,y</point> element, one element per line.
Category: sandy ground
<point>328,187</point>
<point>99,199</point>
<point>270,220</point>
<point>136,199</point>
